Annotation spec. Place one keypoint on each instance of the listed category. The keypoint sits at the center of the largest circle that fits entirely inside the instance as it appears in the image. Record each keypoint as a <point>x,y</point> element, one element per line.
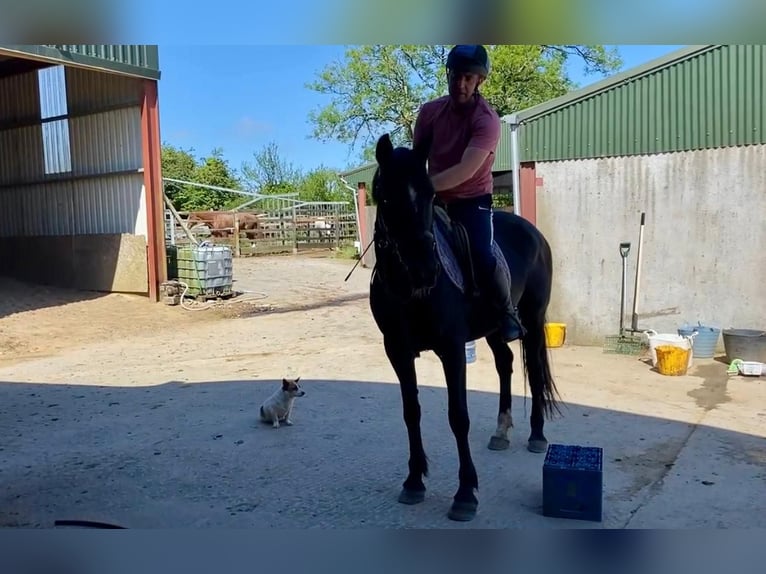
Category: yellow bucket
<point>672,361</point>
<point>555,333</point>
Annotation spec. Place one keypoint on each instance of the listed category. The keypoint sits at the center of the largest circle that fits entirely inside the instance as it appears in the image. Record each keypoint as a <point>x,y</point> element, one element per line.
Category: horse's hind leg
<point>504,366</point>
<point>413,489</point>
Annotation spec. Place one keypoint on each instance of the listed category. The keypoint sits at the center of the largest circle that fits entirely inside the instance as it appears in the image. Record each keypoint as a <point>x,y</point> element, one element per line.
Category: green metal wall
<point>141,60</point>
<point>503,153</point>
<point>714,99</point>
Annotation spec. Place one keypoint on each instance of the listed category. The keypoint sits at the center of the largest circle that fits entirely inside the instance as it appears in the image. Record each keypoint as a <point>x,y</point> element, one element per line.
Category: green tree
<point>179,164</point>
<point>270,173</point>
<point>524,76</point>
<point>377,88</point>
<point>380,88</point>
<point>322,184</point>
<point>211,170</point>
<point>215,170</point>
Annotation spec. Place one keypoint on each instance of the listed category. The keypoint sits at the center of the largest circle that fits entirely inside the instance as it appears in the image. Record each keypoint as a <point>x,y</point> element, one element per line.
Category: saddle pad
<point>450,263</point>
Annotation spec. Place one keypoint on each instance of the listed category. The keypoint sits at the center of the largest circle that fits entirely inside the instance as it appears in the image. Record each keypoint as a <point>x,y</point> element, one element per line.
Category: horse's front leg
<point>465,503</point>
<point>504,366</point>
<point>403,362</point>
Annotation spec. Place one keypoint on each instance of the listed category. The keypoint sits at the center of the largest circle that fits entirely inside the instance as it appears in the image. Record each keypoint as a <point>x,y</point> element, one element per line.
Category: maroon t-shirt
<point>453,132</point>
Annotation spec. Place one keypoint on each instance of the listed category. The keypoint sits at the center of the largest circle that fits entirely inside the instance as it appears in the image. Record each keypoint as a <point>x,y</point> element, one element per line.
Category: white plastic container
<point>656,339</point>
<point>470,352</point>
<point>751,368</point>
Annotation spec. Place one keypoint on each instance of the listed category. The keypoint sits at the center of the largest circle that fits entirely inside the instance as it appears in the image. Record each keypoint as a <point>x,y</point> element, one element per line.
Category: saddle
<point>453,247</point>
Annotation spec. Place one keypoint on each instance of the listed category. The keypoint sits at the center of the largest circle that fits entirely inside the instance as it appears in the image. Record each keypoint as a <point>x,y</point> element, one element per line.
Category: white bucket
<point>470,352</point>
<point>656,339</point>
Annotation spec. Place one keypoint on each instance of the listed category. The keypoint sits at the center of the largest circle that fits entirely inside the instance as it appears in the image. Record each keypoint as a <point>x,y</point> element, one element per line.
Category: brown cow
<point>221,223</point>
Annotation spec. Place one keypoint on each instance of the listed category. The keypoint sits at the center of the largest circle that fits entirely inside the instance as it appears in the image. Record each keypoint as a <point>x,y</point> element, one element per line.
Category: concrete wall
<point>704,252</point>
<point>97,262</point>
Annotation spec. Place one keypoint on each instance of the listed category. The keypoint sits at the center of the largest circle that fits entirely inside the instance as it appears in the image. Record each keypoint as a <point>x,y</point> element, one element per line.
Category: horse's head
<point>404,195</point>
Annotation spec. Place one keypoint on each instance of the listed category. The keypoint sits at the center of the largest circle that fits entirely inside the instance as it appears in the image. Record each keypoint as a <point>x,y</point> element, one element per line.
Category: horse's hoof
<point>412,496</point>
<point>498,443</point>
<point>537,445</point>
<point>462,511</point>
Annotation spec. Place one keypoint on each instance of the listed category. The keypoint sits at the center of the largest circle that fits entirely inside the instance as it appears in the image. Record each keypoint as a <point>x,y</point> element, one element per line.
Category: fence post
<point>336,225</point>
<point>295,231</point>
<point>237,247</point>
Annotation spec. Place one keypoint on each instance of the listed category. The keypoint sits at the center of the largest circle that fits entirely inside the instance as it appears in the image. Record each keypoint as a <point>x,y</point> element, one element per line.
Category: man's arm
<point>483,142</point>
<point>472,159</point>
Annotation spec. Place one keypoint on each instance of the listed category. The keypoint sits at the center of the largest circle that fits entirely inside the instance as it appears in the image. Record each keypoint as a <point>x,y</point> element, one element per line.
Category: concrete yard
<point>118,410</point>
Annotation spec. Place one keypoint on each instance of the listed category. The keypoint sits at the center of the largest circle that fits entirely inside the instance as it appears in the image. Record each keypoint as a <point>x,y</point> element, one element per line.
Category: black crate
<point>573,482</point>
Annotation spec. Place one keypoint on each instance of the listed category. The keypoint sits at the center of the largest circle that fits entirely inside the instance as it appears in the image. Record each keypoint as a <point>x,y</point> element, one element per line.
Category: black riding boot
<point>500,293</point>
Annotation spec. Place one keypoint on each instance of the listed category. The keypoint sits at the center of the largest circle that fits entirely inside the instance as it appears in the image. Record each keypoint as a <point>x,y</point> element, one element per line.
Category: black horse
<point>419,306</point>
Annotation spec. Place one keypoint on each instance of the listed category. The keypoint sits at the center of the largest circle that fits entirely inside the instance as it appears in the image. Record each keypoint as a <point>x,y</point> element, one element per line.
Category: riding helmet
<point>469,58</point>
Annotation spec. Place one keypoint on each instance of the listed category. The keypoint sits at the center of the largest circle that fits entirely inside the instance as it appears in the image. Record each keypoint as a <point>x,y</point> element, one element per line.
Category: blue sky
<point>240,98</point>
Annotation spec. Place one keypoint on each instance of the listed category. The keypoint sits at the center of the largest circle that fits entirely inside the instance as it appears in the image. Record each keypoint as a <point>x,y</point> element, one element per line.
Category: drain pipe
<point>512,120</point>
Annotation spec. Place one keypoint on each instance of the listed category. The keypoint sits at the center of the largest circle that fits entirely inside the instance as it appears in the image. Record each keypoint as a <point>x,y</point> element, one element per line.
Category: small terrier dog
<point>279,406</point>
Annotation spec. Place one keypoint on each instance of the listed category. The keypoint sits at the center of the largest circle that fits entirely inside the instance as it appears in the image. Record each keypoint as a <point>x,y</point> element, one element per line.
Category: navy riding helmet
<point>469,59</point>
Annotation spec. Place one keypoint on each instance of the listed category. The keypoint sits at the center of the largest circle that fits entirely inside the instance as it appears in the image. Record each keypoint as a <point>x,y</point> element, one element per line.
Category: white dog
<point>279,406</point>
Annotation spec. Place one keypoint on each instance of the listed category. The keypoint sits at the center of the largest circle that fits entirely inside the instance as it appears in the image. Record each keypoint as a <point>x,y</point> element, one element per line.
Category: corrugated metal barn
<point>681,139</point>
<point>80,183</point>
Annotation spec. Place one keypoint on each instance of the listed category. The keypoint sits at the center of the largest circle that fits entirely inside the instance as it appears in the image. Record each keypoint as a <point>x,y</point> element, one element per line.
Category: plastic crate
<point>573,482</point>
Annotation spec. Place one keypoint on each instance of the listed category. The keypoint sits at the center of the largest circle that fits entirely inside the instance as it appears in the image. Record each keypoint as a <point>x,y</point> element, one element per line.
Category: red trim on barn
<point>528,191</point>
<point>361,203</point>
<point>150,132</point>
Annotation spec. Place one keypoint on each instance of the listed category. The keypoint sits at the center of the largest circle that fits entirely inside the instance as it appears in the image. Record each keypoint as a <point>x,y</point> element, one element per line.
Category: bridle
<point>388,253</point>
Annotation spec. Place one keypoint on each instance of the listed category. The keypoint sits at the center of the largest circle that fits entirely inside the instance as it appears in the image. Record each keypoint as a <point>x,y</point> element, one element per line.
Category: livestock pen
<point>267,225</point>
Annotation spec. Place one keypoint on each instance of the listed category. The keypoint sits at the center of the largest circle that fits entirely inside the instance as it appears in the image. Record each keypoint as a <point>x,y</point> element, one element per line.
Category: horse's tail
<point>533,310</point>
<point>537,366</point>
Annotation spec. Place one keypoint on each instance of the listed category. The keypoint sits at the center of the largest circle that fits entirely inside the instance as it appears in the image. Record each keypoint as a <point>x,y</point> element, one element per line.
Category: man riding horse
<point>464,131</point>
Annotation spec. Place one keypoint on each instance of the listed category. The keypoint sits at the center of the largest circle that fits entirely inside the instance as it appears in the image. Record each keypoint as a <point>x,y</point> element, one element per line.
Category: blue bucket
<point>470,352</point>
<point>705,340</point>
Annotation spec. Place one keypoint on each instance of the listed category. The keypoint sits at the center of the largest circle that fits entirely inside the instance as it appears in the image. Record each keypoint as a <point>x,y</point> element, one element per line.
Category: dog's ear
<point>298,379</point>
<point>285,384</point>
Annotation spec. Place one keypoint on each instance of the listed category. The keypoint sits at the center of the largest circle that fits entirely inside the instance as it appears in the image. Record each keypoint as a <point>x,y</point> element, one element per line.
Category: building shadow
<point>195,455</point>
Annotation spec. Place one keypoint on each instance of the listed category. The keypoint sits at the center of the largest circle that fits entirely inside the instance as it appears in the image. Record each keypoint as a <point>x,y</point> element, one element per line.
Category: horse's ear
<point>423,148</point>
<point>384,150</point>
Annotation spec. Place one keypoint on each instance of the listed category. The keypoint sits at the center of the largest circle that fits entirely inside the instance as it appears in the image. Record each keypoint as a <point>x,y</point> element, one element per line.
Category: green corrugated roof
<point>612,82</point>
<point>362,173</point>
<point>701,97</point>
<point>141,60</point>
